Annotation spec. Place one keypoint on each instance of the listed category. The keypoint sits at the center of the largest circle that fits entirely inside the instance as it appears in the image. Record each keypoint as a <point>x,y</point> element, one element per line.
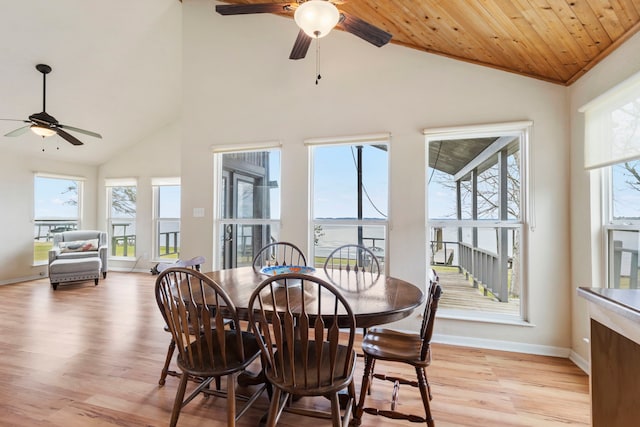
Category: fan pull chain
<point>318,59</point>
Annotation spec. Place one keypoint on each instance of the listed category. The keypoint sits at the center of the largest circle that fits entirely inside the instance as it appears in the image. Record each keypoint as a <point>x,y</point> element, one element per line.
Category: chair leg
<point>177,404</point>
<point>165,369</point>
<point>274,407</point>
<point>336,420</point>
<point>96,282</point>
<point>231,398</point>
<point>424,393</point>
<point>373,368</point>
<point>366,383</point>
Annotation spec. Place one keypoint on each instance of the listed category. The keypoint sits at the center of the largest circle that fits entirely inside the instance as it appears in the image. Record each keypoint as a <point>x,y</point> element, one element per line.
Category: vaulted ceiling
<point>552,40</point>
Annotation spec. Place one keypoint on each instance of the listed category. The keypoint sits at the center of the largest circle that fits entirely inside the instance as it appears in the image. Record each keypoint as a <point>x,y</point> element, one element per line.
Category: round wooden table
<point>384,300</point>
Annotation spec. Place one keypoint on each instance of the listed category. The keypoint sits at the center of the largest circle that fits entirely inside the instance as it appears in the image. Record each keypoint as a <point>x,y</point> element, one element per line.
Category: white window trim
<point>218,152</point>
<point>364,139</point>
<point>156,183</point>
<point>523,129</point>
<point>109,184</point>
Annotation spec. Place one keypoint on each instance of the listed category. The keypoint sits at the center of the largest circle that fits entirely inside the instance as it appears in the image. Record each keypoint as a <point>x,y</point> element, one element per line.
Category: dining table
<point>375,301</point>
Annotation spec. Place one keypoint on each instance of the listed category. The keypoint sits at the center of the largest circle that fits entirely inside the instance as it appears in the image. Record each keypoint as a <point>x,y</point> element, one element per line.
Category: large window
<point>349,194</point>
<point>121,205</point>
<point>56,208</point>
<point>247,199</point>
<point>475,190</point>
<point>166,218</point>
<point>612,145</point>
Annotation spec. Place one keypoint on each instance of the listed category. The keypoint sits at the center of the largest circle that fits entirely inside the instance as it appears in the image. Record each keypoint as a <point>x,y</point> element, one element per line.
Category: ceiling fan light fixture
<point>316,17</point>
<point>43,131</point>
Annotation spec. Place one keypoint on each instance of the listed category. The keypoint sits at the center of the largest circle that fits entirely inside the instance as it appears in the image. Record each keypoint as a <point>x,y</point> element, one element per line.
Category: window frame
<point>368,139</point>
<point>223,180</point>
<point>611,225</point>
<point>526,220</point>
<point>110,184</point>
<point>156,184</point>
<point>77,221</point>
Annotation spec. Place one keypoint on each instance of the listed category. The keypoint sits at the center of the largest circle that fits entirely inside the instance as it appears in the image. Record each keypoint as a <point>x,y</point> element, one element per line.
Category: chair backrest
<point>352,268</point>
<point>284,314</point>
<point>190,301</point>
<point>75,235</point>
<point>278,253</point>
<point>430,308</point>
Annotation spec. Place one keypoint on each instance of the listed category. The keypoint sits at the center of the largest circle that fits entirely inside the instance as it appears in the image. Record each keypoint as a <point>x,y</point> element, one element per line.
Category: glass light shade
<point>316,17</point>
<point>42,131</point>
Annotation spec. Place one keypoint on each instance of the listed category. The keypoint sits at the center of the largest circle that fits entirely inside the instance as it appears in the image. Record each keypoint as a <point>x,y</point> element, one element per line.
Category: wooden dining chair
<point>401,347</point>
<point>193,263</point>
<point>353,268</point>
<point>305,354</point>
<point>278,253</point>
<point>195,309</point>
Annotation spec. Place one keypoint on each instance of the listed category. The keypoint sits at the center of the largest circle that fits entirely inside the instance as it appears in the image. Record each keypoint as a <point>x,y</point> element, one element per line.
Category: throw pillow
<point>79,246</point>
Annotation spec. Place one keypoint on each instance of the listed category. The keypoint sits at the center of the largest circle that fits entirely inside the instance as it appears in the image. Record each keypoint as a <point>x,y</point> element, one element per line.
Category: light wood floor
<point>91,356</point>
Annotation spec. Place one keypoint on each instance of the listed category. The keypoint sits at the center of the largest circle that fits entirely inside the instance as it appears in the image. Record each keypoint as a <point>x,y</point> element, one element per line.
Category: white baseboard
<point>21,279</point>
<point>129,270</point>
<point>518,347</point>
<point>580,361</point>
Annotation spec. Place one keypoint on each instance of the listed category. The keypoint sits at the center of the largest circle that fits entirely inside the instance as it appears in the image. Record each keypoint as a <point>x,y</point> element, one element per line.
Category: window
<point>349,194</point>
<point>57,207</point>
<point>612,145</point>
<point>247,200</point>
<point>166,218</point>
<point>622,227</point>
<point>121,202</point>
<point>475,193</point>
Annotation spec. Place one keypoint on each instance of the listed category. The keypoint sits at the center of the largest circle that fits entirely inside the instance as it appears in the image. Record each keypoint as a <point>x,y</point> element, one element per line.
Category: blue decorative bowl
<point>284,269</point>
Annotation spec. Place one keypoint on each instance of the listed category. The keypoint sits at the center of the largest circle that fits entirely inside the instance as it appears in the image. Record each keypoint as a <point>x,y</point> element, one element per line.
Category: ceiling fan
<point>43,124</point>
<point>316,18</point>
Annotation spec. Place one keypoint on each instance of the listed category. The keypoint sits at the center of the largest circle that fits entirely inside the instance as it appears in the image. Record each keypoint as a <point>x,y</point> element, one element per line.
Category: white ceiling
<point>116,71</point>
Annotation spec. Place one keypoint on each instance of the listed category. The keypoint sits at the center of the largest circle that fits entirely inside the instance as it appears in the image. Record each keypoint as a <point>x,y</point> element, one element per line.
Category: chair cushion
<point>79,246</point>
<point>77,265</point>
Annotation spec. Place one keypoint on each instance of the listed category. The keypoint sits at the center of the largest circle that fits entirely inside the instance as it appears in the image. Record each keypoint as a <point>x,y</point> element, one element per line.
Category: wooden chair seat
<point>395,346</point>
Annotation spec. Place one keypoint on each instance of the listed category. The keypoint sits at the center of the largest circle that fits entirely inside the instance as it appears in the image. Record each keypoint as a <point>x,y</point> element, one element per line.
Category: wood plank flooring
<point>89,355</point>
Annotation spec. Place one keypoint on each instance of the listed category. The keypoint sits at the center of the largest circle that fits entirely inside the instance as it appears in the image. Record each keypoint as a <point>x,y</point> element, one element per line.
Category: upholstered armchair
<point>78,255</point>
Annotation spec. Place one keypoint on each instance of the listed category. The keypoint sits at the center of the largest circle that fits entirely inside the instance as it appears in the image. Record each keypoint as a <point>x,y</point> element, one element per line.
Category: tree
<point>488,199</point>
<point>123,199</point>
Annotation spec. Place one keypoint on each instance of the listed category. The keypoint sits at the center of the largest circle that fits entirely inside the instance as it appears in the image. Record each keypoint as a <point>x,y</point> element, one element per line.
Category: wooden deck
<point>459,294</point>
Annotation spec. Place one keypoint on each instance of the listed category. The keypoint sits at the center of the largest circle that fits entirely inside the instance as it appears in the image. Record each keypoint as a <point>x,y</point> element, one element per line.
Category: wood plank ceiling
<point>552,40</point>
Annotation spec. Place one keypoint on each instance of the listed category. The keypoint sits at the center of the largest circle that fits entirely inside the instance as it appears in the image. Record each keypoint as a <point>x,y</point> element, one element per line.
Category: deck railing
<point>481,266</point>
<point>632,255</point>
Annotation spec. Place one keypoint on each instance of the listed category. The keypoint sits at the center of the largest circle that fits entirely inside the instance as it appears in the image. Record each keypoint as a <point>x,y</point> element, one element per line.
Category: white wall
<point>587,259</point>
<point>239,87</point>
<point>16,206</point>
<point>156,156</point>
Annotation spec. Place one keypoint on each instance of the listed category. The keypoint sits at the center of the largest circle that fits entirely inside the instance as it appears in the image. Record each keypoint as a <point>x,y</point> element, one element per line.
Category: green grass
<point>41,251</point>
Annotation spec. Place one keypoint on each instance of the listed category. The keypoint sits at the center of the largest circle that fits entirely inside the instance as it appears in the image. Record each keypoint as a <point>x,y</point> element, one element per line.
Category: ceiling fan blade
<point>301,46</point>
<point>70,138</point>
<point>364,30</point>
<point>16,120</point>
<point>86,132</point>
<point>243,9</point>
<point>18,131</point>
